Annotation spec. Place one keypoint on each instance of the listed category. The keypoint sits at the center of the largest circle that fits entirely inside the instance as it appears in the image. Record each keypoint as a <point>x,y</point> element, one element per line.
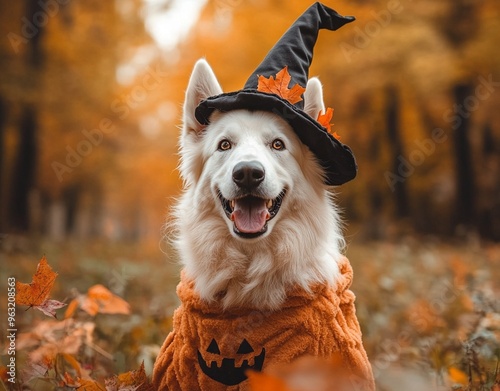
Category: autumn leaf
<point>50,337</point>
<point>325,121</point>
<point>37,370</point>
<point>264,382</point>
<point>36,293</point>
<point>457,376</point>
<point>72,307</point>
<point>69,381</point>
<point>133,380</point>
<point>279,86</point>
<point>90,385</point>
<point>98,299</point>
<point>49,307</point>
<point>3,374</point>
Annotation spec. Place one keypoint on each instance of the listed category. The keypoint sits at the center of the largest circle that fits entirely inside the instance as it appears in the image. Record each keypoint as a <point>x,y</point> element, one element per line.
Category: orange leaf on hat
<point>279,85</point>
<point>325,121</point>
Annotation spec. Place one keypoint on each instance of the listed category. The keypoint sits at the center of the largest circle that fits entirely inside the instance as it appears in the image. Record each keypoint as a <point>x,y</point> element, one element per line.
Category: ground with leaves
<point>429,312</point>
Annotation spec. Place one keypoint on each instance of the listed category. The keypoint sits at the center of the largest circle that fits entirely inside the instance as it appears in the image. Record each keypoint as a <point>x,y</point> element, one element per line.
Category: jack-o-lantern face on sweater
<point>228,373</point>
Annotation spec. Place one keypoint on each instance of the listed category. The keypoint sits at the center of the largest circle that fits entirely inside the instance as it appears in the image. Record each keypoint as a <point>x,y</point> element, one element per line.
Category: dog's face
<point>251,158</point>
<point>250,166</point>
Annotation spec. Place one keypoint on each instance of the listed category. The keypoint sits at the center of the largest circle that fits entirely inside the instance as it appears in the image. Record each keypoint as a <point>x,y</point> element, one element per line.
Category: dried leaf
<point>3,374</point>
<point>309,373</point>
<point>457,376</point>
<point>111,383</point>
<point>90,385</point>
<point>325,121</point>
<point>50,337</point>
<point>49,307</point>
<point>36,292</point>
<point>100,300</point>
<point>141,380</point>
<point>69,381</point>
<point>279,85</point>
<point>130,381</point>
<point>125,379</point>
<point>264,382</point>
<point>37,370</point>
<point>72,307</point>
<point>68,370</point>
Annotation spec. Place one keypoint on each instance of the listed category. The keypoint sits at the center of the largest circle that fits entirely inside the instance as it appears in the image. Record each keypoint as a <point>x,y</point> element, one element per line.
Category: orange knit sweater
<point>210,348</point>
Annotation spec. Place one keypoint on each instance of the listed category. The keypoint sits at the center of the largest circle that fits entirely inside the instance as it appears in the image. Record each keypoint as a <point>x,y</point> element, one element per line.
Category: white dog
<point>256,217</point>
<point>256,229</point>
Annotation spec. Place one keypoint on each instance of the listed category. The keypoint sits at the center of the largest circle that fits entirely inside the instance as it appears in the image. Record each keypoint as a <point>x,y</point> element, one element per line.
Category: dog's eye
<point>224,145</point>
<point>278,145</point>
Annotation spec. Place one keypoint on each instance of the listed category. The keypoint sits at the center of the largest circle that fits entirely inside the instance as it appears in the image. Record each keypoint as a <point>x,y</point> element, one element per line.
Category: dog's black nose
<point>248,175</point>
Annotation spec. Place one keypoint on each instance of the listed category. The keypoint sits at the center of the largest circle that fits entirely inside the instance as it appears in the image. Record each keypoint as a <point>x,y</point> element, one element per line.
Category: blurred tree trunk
<point>24,169</point>
<point>396,146</point>
<point>465,191</point>
<point>72,196</point>
<point>458,27</point>
<point>3,120</point>
<point>23,175</point>
<point>488,186</point>
<point>35,52</point>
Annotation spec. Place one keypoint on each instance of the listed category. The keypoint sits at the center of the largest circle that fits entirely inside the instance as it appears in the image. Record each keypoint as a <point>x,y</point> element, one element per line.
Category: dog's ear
<point>313,98</point>
<point>202,85</point>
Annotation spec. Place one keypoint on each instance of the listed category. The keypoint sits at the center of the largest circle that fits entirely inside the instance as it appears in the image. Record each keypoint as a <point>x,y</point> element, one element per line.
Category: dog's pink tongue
<point>250,214</point>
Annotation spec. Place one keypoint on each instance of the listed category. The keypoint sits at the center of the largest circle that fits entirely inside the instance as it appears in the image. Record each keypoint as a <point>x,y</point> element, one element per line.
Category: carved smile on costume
<point>228,373</point>
<point>250,213</point>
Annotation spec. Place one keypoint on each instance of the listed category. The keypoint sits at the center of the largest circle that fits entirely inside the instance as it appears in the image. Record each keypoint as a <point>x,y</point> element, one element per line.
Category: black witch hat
<point>293,51</point>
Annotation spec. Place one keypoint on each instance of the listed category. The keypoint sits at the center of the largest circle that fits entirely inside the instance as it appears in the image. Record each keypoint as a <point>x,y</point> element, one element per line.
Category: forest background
<point>90,104</point>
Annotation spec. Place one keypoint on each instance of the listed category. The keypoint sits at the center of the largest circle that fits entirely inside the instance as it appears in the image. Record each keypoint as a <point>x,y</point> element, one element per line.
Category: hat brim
<point>336,158</point>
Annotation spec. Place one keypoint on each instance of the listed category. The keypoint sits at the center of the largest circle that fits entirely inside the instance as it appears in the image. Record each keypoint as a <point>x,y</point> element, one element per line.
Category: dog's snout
<point>248,175</point>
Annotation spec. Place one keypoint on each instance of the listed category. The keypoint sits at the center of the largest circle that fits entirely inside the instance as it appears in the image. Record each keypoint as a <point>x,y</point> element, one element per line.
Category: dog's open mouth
<point>250,213</point>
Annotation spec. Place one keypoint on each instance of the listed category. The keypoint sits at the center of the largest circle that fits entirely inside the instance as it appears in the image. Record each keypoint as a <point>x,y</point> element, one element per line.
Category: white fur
<point>303,242</point>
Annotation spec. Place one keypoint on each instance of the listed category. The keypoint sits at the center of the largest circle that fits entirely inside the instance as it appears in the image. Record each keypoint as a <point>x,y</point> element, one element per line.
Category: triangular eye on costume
<point>213,347</point>
<point>245,348</point>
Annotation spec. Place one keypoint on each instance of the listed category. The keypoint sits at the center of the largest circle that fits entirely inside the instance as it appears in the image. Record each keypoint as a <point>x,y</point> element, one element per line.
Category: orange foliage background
<point>95,104</point>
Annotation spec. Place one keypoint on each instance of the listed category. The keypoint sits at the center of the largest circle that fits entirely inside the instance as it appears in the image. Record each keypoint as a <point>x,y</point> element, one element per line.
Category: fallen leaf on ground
<point>130,381</point>
<point>98,299</point>
<point>90,385</point>
<point>50,337</point>
<point>36,293</point>
<point>49,307</point>
<point>264,382</point>
<point>457,376</point>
